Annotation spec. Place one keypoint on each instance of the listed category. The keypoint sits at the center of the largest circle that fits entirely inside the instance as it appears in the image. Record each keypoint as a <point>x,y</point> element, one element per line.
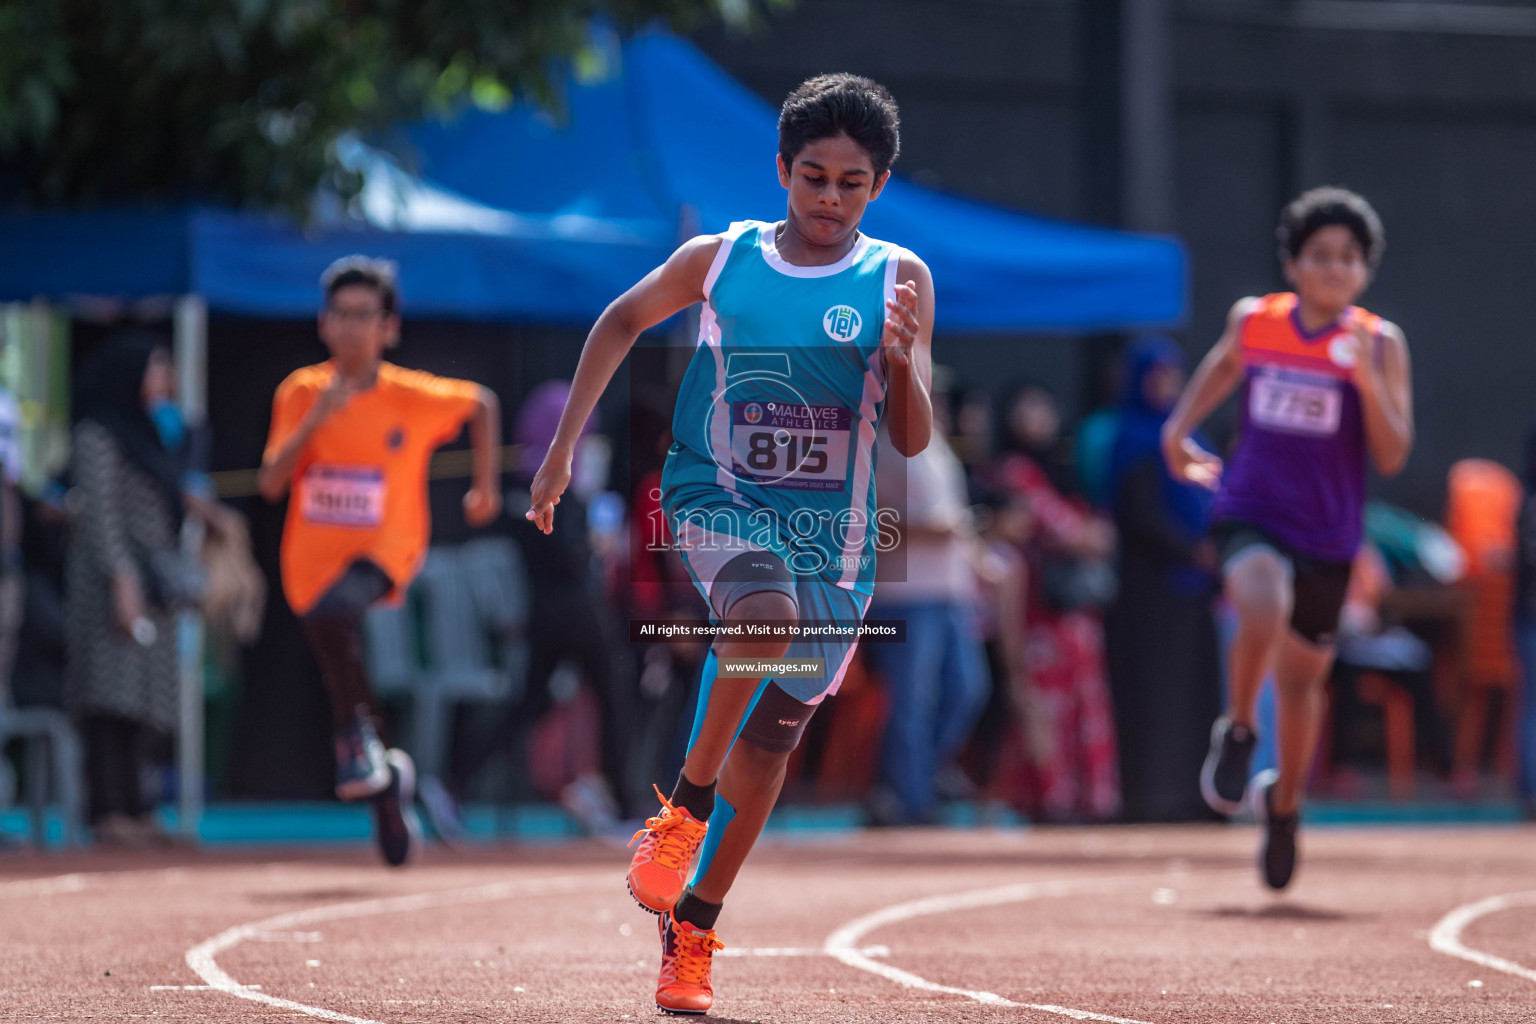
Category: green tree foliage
<point>241,101</point>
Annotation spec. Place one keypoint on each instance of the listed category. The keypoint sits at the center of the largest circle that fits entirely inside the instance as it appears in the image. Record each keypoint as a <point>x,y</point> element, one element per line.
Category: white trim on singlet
<point>892,268</point>
<point>842,669</point>
<point>709,336</point>
<point>770,251</point>
<point>863,465</point>
<point>722,254</point>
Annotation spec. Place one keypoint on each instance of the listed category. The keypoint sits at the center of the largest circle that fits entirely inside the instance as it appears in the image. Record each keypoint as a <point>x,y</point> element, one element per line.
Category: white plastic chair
<point>498,585</point>
<point>54,754</point>
<point>389,646</point>
<point>459,667</point>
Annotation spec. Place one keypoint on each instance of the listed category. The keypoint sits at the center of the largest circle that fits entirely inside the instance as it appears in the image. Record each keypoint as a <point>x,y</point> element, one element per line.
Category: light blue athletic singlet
<point>777,414</point>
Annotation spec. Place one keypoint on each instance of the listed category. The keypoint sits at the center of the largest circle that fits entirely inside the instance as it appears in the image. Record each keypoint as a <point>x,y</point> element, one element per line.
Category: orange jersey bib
<point>360,485</point>
<point>341,495</point>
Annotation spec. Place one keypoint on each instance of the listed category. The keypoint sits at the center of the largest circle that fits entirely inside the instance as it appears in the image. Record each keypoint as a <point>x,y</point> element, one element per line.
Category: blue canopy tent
<point>528,215</point>
<point>668,130</point>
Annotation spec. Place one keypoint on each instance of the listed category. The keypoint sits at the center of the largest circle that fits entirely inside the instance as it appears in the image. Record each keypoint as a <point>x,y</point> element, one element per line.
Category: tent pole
<point>191,352</point>
<point>190,340</point>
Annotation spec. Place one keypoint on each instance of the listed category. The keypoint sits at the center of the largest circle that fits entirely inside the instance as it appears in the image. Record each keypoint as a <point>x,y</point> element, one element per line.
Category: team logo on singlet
<point>753,413</point>
<point>842,323</point>
<point>1343,350</point>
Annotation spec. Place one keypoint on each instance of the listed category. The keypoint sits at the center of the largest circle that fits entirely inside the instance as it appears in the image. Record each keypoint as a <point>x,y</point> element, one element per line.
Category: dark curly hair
<point>841,104</point>
<point>1321,207</point>
<point>380,275</point>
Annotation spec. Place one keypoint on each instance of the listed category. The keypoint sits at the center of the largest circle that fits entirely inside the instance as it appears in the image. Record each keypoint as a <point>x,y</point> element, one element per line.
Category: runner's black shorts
<point>1317,587</point>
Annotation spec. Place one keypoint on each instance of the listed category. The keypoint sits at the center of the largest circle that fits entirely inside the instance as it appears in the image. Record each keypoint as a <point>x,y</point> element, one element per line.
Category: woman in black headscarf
<point>1161,636</point>
<point>128,457</point>
<point>1029,424</point>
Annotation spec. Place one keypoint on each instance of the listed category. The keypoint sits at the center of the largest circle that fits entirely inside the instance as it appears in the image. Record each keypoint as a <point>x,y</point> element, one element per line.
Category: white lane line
<point>288,937</point>
<point>794,951</point>
<point>1446,935</point>
<point>189,988</point>
<point>52,885</point>
<point>201,957</point>
<point>43,886</point>
<point>843,943</point>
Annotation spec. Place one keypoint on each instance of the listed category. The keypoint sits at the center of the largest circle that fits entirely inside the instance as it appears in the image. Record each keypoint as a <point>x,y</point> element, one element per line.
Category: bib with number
<point>784,444</point>
<point>341,495</point>
<point>1295,403</point>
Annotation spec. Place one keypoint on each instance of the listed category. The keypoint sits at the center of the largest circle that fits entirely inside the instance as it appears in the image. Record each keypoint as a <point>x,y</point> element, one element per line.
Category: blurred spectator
<point>1004,584</point>
<point>656,572</point>
<point>1161,636</point>
<point>972,439</point>
<point>1031,426</point>
<point>1525,627</point>
<point>670,671</point>
<point>236,597</point>
<point>11,590</point>
<point>1093,446</point>
<point>1368,644</point>
<point>936,680</point>
<point>121,678</point>
<point>1068,554</point>
<point>568,620</point>
<point>38,678</point>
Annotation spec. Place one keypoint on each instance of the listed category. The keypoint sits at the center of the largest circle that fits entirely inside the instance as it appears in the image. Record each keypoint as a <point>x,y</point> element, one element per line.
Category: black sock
<point>699,800</point>
<point>689,909</point>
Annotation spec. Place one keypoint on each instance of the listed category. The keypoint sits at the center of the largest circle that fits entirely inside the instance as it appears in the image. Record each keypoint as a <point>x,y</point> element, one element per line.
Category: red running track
<point>1164,925</point>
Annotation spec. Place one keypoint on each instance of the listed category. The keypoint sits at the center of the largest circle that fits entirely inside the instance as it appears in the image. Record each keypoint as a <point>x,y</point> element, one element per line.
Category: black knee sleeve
<point>752,572</point>
<point>777,722</point>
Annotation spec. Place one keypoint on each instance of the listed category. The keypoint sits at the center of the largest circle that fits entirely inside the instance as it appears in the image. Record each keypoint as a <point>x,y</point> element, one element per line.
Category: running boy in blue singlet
<point>1325,385</point>
<point>810,332</point>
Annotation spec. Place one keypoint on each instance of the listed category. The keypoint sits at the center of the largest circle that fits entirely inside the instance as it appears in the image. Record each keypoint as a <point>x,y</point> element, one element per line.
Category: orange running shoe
<point>686,953</point>
<point>659,869</point>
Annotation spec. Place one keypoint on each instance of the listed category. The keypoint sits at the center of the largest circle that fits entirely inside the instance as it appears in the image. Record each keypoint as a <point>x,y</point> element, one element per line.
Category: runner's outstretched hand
<point>333,397</point>
<point>901,324</point>
<point>481,505</point>
<point>553,477</point>
<point>1188,461</point>
<point>1363,372</point>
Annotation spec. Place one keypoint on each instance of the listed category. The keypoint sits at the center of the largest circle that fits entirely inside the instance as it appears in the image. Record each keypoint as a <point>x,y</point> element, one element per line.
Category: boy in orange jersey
<point>352,436</point>
<point>1325,386</point>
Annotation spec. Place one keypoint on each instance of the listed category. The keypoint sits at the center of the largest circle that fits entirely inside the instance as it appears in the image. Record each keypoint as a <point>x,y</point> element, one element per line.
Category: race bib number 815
<point>1296,404</point>
<point>335,495</point>
<point>782,444</point>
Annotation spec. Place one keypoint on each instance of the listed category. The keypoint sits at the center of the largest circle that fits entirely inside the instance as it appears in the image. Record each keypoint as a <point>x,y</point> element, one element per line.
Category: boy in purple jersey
<point>1324,384</point>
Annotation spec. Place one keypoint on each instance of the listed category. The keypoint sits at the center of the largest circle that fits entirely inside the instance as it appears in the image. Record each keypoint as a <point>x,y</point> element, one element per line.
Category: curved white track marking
<point>43,886</point>
<point>793,951</point>
<point>79,881</point>
<point>843,943</point>
<point>201,957</point>
<point>1446,936</point>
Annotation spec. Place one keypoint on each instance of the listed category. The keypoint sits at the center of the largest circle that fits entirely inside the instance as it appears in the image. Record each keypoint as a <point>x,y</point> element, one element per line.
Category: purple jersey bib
<point>1299,469</point>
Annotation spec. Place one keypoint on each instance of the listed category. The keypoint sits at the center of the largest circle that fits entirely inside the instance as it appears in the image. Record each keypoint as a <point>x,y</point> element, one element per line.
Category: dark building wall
<point>1428,109</point>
